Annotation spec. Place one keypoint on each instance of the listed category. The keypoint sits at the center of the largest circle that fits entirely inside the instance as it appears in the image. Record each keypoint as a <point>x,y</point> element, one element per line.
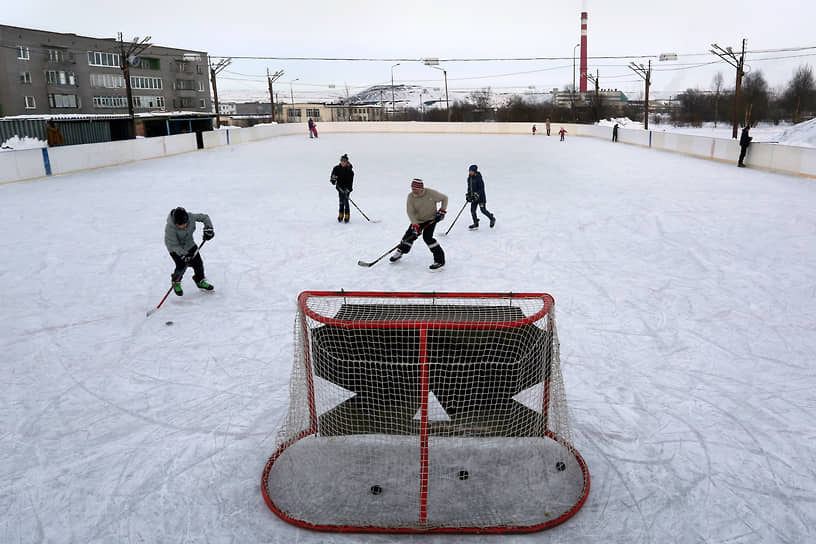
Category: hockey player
<point>424,215</point>
<point>178,238</point>
<point>342,177</point>
<point>476,196</point>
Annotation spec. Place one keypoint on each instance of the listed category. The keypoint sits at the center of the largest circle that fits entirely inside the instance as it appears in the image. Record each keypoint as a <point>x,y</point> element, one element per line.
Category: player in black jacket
<point>342,177</point>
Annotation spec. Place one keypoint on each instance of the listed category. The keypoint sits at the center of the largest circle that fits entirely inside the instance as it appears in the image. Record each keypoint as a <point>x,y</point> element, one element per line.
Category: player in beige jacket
<point>424,215</point>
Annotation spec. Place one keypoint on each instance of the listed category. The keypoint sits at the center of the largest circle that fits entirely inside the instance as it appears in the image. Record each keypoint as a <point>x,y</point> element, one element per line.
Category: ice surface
<point>684,291</point>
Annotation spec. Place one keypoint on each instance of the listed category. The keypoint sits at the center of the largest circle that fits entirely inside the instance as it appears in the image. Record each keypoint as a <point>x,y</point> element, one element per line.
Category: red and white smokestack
<point>584,18</point>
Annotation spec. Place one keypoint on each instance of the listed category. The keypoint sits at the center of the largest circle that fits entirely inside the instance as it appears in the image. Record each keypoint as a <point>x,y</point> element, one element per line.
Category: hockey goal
<point>416,412</point>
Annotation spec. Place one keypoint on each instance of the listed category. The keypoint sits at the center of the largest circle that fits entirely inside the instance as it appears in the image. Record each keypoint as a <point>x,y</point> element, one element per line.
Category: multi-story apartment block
<point>48,73</point>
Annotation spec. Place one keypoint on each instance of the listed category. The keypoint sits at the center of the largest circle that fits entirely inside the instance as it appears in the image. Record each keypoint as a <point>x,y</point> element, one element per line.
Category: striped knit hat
<point>416,183</point>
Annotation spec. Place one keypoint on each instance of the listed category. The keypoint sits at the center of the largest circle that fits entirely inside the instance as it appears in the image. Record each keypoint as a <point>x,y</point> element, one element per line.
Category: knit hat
<point>416,183</point>
<point>473,168</point>
<point>344,157</point>
<point>180,216</point>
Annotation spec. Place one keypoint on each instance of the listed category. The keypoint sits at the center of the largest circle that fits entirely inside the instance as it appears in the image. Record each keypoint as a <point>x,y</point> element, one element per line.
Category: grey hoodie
<point>180,241</point>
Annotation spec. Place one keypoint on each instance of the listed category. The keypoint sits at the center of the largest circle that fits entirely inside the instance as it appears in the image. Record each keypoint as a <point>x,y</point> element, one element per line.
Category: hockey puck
<point>376,490</point>
<point>560,466</point>
<point>464,475</point>
<point>168,323</point>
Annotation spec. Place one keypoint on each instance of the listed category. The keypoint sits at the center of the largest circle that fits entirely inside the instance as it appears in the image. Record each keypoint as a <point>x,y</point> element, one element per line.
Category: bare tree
<point>480,99</point>
<point>756,98</point>
<point>801,92</point>
<point>717,83</point>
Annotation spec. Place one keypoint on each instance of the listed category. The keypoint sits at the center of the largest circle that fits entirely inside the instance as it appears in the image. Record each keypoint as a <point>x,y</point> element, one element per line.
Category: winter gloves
<point>440,215</point>
<point>472,197</point>
<point>209,234</point>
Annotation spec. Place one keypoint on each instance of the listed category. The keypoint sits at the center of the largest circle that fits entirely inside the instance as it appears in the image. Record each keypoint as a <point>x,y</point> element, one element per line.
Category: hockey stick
<point>153,310</point>
<point>359,210</point>
<point>456,218</point>
<point>378,259</point>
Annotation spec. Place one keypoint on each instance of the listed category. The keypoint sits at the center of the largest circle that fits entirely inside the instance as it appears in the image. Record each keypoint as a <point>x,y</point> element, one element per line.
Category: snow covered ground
<point>685,298</point>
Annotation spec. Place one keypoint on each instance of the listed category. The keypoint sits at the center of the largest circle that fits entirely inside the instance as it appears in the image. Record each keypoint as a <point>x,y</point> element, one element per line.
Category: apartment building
<point>50,73</point>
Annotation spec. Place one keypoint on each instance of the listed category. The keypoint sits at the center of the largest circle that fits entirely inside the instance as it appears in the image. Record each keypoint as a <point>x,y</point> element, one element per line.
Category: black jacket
<point>476,185</point>
<point>745,139</point>
<point>342,177</point>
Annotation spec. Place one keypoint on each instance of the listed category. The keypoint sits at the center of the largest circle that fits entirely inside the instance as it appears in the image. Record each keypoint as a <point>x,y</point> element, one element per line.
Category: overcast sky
<point>449,29</point>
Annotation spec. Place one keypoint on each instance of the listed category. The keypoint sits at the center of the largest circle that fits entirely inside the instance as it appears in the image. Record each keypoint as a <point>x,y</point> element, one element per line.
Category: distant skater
<point>745,141</point>
<point>615,133</point>
<point>312,129</point>
<point>562,132</point>
<point>342,177</point>
<point>547,126</point>
<point>534,130</point>
<point>476,196</point>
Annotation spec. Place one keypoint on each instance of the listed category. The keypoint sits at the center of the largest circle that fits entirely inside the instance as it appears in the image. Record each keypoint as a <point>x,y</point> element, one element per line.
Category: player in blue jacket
<point>476,196</point>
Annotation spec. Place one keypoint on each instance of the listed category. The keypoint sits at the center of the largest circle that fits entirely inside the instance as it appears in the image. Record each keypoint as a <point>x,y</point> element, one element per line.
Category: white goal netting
<point>419,412</point>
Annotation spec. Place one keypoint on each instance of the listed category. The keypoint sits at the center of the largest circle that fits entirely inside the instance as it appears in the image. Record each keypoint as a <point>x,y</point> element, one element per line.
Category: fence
<point>34,163</point>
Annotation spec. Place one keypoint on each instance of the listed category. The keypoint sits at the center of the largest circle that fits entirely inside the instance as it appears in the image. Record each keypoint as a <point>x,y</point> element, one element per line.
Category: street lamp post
<point>434,63</point>
<point>392,88</point>
<point>292,97</point>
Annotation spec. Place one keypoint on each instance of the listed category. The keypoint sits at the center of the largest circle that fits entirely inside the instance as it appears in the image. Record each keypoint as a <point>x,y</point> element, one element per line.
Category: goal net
<point>417,412</point>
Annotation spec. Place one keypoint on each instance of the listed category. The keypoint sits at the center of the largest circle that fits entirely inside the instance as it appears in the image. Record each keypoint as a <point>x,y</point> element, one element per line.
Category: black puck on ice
<point>168,322</point>
<point>560,466</point>
<point>464,475</point>
<point>376,490</point>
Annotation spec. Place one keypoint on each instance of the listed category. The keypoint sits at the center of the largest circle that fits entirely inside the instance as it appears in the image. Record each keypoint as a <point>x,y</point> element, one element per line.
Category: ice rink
<point>685,297</point>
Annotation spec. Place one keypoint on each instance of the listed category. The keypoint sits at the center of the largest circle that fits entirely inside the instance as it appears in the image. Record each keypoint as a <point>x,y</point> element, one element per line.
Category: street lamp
<point>292,98</point>
<point>392,87</point>
<point>433,63</point>
<point>291,95</point>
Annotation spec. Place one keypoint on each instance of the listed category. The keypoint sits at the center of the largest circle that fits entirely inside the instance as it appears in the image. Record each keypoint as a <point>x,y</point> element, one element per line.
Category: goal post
<point>425,412</point>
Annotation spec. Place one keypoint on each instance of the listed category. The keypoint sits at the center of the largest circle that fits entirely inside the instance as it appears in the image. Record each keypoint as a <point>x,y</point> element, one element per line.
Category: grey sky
<point>449,29</point>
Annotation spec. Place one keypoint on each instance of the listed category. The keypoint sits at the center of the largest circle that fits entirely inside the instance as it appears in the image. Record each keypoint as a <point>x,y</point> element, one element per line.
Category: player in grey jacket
<point>178,238</point>
<point>424,215</point>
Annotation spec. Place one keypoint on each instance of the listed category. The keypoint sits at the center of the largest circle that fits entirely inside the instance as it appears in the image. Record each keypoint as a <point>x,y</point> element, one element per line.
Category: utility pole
<point>728,56</point>
<point>272,79</point>
<point>434,63</point>
<point>126,55</point>
<point>595,79</point>
<point>646,74</point>
<point>223,63</point>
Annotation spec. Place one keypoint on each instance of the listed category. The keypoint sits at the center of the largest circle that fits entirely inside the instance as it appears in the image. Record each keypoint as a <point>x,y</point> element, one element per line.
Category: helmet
<point>180,216</point>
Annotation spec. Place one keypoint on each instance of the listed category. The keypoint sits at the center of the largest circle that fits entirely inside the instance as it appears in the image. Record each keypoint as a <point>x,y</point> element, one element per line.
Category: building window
<point>56,55</point>
<point>30,103</point>
<point>139,82</point>
<point>62,100</point>
<point>293,113</point>
<point>25,78</point>
<point>23,53</point>
<point>110,102</point>
<point>313,113</point>
<point>147,63</point>
<point>200,85</point>
<point>58,77</point>
<point>107,81</point>
<point>97,58</point>
<point>198,68</point>
<point>202,103</point>
<point>185,84</point>
<point>152,102</point>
